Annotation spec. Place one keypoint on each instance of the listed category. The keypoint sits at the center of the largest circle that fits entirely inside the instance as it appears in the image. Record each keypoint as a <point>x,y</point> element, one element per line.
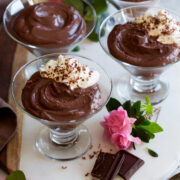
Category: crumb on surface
<point>63,167</point>
<point>87,174</point>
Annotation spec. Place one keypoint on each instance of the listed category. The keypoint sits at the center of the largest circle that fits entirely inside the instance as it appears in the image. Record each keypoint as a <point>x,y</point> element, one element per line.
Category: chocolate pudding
<point>57,96</point>
<point>147,42</point>
<point>48,24</point>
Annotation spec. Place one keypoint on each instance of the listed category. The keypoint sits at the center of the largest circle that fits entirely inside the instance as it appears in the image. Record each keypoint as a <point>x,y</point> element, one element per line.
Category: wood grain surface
<point>10,156</point>
<point>11,58</point>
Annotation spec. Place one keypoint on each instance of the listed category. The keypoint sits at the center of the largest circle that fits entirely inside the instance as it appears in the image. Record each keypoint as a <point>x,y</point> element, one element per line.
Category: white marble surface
<point>167,144</point>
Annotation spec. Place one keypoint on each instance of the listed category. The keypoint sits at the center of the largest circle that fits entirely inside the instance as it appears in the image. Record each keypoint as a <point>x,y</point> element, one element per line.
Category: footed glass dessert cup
<point>119,4</point>
<point>143,81</point>
<point>17,5</point>
<point>68,139</point>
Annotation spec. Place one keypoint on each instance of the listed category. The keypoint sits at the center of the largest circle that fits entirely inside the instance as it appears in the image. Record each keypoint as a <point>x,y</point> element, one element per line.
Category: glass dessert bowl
<point>49,27</point>
<point>62,137</point>
<point>127,3</point>
<point>140,56</point>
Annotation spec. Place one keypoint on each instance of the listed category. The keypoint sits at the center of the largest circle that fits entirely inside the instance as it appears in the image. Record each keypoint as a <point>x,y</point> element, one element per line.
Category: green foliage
<point>147,107</point>
<point>113,104</point>
<point>77,4</point>
<point>76,49</point>
<point>100,6</point>
<point>17,175</point>
<point>152,152</point>
<point>142,128</point>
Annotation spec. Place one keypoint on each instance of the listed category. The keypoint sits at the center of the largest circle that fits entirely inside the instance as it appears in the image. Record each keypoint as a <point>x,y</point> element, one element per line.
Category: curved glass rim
<point>118,12</point>
<point>45,48</point>
<point>53,122</point>
<point>137,3</point>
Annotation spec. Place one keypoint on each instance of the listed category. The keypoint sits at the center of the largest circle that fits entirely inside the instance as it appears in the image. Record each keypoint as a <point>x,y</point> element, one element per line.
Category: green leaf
<point>17,175</point>
<point>152,153</point>
<point>127,107</point>
<point>112,104</point>
<point>88,14</point>
<point>143,135</point>
<point>135,110</point>
<point>142,121</point>
<point>91,1</point>
<point>76,49</point>
<point>147,100</point>
<point>152,127</point>
<point>134,146</point>
<point>100,6</point>
<point>77,4</point>
<point>147,107</point>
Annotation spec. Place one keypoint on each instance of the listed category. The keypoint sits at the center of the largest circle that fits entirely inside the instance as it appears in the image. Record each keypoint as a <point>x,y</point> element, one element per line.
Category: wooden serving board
<point>12,57</point>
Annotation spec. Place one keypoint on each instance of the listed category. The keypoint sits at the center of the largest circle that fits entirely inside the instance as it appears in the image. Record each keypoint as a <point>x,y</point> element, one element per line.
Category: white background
<point>167,144</point>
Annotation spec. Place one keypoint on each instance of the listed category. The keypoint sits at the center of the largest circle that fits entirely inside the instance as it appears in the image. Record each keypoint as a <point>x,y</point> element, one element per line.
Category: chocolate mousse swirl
<point>48,24</point>
<point>131,43</point>
<point>51,100</point>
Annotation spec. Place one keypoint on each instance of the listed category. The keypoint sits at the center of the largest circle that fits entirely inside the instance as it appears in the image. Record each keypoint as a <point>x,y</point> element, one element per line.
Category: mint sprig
<point>147,107</point>
<point>16,175</point>
<point>143,127</point>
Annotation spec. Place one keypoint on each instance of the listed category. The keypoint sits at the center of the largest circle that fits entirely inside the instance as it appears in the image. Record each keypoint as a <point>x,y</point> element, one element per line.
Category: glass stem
<point>144,86</point>
<point>63,138</point>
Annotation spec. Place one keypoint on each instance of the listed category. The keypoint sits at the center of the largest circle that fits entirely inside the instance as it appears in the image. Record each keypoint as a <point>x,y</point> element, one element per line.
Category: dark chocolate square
<point>130,165</point>
<point>107,165</point>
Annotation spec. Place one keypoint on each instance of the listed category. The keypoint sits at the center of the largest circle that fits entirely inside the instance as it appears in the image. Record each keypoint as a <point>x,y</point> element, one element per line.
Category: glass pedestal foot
<point>70,151</point>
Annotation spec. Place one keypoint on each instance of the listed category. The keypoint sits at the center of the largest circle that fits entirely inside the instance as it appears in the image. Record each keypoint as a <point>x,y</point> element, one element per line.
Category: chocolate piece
<point>130,165</point>
<point>107,165</point>
<point>175,177</point>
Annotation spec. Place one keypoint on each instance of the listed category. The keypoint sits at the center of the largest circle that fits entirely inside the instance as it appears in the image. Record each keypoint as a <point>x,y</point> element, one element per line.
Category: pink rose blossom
<point>118,128</point>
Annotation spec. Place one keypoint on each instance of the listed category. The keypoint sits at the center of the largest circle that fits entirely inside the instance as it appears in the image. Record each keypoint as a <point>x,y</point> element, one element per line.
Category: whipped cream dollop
<point>69,71</point>
<point>162,25</point>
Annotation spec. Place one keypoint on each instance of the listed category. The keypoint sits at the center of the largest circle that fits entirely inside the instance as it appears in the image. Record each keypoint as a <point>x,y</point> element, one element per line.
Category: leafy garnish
<point>152,153</point>
<point>76,49</point>
<point>143,127</point>
<point>147,107</point>
<point>152,127</point>
<point>143,135</point>
<point>100,6</point>
<point>112,104</point>
<point>134,146</point>
<point>94,35</point>
<point>127,107</point>
<point>88,14</point>
<point>17,175</point>
<point>77,4</point>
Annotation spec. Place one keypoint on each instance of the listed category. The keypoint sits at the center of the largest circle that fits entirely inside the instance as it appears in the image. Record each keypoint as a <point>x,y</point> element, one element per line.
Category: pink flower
<point>118,128</point>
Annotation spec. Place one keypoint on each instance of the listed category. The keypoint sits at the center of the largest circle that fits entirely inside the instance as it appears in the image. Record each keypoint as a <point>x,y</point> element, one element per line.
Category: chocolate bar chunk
<point>107,165</point>
<point>130,165</point>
